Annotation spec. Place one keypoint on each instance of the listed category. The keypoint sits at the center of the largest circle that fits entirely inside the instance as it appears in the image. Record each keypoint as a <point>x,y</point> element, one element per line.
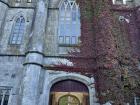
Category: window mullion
<point>19,29</point>
<point>70,27</point>
<point>10,96</point>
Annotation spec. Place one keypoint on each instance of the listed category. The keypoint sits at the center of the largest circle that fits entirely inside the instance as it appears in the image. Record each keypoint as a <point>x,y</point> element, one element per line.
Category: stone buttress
<point>34,57</point>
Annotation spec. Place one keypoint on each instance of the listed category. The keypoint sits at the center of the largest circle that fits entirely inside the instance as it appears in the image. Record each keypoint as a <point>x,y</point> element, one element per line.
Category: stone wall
<point>100,50</point>
<point>11,68</point>
<point>11,15</point>
<point>51,42</point>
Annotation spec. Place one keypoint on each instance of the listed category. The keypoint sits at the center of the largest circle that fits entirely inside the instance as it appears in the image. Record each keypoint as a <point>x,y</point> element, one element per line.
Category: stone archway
<point>69,89</point>
<point>73,76</point>
<point>52,79</point>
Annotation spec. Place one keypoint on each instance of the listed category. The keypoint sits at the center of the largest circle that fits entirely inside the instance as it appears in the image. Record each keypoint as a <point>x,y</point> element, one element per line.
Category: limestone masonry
<point>67,52</point>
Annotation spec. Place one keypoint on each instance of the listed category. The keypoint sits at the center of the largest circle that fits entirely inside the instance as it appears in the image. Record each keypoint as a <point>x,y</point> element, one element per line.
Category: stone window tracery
<point>17,31</point>
<point>4,96</point>
<point>69,22</point>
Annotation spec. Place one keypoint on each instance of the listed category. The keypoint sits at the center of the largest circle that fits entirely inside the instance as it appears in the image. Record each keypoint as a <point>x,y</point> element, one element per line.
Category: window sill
<point>14,45</point>
<point>69,45</point>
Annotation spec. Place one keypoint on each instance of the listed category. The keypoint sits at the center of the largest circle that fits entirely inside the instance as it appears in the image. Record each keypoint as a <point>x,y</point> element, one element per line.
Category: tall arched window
<point>18,31</point>
<point>69,22</point>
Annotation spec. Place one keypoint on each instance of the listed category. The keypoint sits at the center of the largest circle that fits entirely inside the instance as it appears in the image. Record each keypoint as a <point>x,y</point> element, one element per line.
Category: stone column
<point>44,99</point>
<point>34,57</point>
<point>92,95</point>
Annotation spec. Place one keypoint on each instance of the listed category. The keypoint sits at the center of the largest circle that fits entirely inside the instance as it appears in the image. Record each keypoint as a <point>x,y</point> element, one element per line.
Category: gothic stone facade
<point>32,64</point>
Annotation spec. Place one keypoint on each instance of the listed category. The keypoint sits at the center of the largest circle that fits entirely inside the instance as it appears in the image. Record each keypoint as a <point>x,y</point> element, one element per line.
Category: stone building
<point>42,60</point>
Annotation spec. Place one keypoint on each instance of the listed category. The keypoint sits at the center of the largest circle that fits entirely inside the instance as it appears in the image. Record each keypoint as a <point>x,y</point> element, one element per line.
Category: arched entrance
<point>69,92</point>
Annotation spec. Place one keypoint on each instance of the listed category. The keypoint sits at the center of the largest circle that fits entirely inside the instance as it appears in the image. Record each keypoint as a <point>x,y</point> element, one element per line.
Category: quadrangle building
<point>50,50</point>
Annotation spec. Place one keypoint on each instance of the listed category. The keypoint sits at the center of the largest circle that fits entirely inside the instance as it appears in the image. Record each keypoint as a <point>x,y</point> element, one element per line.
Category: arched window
<point>69,22</point>
<point>18,31</point>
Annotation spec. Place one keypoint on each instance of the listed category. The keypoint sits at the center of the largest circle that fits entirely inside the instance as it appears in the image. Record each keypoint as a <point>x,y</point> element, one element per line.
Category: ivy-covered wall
<point>109,49</point>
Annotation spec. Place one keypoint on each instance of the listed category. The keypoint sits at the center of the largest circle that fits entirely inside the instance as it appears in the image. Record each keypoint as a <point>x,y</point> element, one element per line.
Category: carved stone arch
<point>81,78</point>
<point>88,82</point>
<point>59,2</point>
<point>17,15</point>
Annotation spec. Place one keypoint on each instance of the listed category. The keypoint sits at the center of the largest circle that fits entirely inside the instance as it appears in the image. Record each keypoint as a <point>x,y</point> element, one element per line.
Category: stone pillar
<point>34,57</point>
<point>44,99</point>
<point>92,95</point>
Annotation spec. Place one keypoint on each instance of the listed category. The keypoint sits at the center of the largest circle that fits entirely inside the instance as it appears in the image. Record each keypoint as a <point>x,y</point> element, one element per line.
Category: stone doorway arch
<point>52,79</point>
<point>70,90</point>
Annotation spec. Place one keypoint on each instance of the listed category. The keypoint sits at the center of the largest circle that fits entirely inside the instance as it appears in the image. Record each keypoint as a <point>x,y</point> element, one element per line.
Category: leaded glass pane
<point>6,98</point>
<point>73,40</point>
<point>61,39</point>
<point>73,16</point>
<point>14,38</point>
<point>62,30</point>
<point>67,40</point>
<point>18,31</point>
<point>69,22</point>
<point>13,42</point>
